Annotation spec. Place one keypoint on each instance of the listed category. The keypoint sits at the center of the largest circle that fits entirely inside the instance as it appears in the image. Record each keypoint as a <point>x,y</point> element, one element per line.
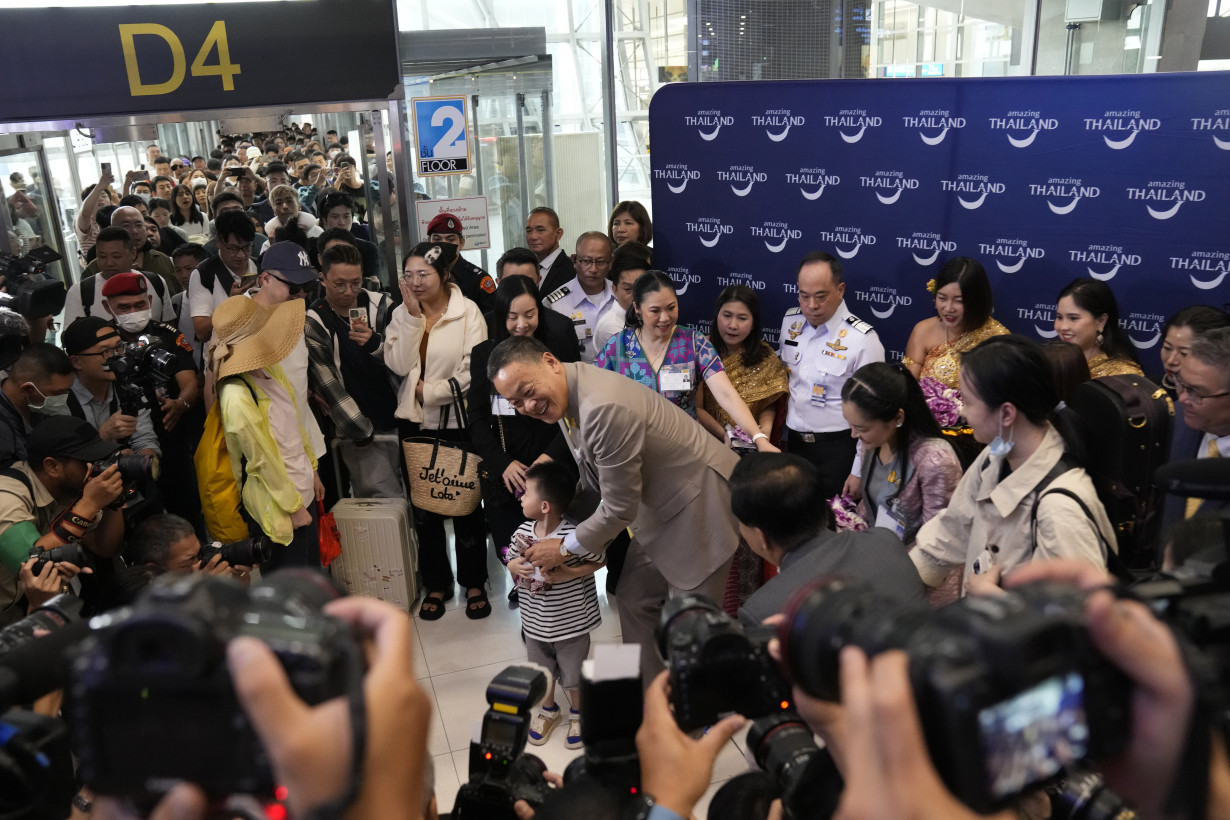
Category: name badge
<point>888,520</point>
<point>819,395</point>
<point>500,406</point>
<point>675,378</point>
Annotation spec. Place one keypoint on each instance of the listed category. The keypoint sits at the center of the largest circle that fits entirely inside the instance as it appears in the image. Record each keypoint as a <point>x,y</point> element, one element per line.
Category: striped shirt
<point>563,610</point>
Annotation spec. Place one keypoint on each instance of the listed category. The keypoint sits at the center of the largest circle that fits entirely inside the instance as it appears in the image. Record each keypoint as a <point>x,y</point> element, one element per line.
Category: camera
<point>32,291</point>
<point>71,553</point>
<point>804,774</point>
<point>249,552</point>
<point>612,704</point>
<point>60,611</point>
<point>717,666</point>
<point>36,766</point>
<point>162,662</point>
<point>134,469</point>
<point>500,772</point>
<point>139,368</point>
<point>1010,690</point>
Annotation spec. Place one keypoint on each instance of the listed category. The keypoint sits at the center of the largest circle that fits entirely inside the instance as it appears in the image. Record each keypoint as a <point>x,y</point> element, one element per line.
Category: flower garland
<point>943,401</point>
<point>844,514</point>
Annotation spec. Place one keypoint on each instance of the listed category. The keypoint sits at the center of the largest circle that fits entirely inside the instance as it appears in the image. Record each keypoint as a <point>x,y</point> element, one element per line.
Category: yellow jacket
<point>269,495</point>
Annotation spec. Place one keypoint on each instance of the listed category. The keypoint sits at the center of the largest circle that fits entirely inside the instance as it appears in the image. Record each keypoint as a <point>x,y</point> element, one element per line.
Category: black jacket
<point>560,273</point>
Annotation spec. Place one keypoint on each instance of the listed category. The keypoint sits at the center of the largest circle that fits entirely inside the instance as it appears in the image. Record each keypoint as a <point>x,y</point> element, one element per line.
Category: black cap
<point>67,436</point>
<point>82,334</point>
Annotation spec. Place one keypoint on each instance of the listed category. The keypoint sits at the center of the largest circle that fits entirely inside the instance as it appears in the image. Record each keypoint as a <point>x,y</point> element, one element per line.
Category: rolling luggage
<point>1127,422</point>
<point>379,549</point>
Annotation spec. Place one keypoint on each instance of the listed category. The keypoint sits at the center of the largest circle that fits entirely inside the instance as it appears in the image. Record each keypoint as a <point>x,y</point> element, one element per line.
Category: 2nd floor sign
<point>440,135</point>
<point>215,45</point>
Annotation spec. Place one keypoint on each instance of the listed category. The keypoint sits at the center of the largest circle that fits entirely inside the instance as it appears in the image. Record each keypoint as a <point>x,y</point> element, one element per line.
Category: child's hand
<point>521,568</point>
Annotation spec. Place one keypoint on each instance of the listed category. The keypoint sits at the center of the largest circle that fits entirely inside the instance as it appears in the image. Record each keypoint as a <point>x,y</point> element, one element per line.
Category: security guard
<point>822,344</point>
<point>589,296</point>
<point>475,283</point>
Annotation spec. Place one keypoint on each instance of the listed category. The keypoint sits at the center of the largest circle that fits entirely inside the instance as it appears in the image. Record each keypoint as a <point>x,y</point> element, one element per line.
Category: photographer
<point>90,342</point>
<point>783,516</point>
<point>37,382</point>
<point>169,543</point>
<point>50,500</point>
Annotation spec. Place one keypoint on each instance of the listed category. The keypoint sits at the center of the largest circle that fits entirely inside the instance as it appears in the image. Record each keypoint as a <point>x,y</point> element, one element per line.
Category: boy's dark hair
<point>555,484</point>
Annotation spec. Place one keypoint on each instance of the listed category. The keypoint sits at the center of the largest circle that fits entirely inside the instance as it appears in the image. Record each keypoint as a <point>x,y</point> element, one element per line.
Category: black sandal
<point>483,609</point>
<point>436,600</point>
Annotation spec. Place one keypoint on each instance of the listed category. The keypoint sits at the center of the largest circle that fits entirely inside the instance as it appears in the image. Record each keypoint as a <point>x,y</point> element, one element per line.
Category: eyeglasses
<point>345,287</point>
<point>1197,398</point>
<point>416,277</point>
<point>236,248</point>
<point>106,352</point>
<point>594,262</point>
<point>295,287</point>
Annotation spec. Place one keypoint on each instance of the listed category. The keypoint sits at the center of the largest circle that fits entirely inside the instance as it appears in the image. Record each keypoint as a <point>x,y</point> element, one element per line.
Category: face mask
<point>52,405</point>
<point>1000,448</point>
<point>145,197</point>
<point>135,321</point>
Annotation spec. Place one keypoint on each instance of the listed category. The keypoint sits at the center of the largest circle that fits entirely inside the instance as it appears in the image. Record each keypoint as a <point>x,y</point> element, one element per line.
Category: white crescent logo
<point>890,199</point>
<point>886,313</point>
<point>778,248</point>
<point>929,259</point>
<point>853,139</point>
<point>778,137</point>
<point>709,243</point>
<point>1209,285</point>
<point>1165,214</point>
<point>848,254</point>
<point>1046,334</point>
<point>1104,277</point>
<point>678,190</point>
<point>684,289</point>
<point>745,191</point>
<point>1025,143</point>
<point>1063,209</point>
<point>1119,145</point>
<point>977,203</point>
<point>1148,344</point>
<point>1011,268</point>
<point>813,195</point>
<point>1222,144</point>
<point>710,137</point>
<point>934,140</point>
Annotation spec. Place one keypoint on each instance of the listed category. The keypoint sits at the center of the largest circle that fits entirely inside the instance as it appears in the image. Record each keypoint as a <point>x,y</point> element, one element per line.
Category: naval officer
<point>822,344</point>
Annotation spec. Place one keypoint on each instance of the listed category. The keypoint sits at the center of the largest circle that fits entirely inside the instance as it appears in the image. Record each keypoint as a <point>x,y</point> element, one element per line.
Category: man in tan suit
<point>656,470</point>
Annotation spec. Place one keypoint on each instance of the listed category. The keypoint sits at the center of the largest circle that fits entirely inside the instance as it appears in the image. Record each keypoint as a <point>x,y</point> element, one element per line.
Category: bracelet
<point>758,435</point>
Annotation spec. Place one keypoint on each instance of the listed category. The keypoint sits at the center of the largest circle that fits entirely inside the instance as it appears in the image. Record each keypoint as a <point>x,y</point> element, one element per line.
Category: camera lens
<point>138,467</point>
<point>780,742</point>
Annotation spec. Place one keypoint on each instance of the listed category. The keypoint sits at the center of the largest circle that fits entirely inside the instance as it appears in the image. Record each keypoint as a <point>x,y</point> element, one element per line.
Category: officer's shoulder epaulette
<point>858,324</point>
<point>794,311</point>
<point>557,294</point>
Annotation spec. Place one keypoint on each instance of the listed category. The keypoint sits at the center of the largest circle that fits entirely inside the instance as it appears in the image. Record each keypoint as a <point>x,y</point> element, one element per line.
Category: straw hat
<point>251,336</point>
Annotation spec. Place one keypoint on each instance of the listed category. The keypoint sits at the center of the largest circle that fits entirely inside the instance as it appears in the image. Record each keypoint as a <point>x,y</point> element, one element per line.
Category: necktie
<point>1193,504</point>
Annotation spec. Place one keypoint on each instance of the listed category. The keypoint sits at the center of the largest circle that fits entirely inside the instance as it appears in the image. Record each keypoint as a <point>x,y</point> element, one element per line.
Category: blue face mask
<point>1000,448</point>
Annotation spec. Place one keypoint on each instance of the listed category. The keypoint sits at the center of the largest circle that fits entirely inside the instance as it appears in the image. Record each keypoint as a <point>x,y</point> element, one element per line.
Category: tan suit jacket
<point>657,471</point>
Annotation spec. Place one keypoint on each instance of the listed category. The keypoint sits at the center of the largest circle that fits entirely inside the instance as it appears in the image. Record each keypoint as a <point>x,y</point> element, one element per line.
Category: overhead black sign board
<point>75,63</point>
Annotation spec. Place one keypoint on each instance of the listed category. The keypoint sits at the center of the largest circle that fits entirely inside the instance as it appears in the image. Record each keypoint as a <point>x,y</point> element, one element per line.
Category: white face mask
<point>135,321</point>
<point>1000,448</point>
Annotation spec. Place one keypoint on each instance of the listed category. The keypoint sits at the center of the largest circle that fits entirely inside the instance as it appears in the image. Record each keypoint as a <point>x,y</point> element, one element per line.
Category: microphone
<point>1207,478</point>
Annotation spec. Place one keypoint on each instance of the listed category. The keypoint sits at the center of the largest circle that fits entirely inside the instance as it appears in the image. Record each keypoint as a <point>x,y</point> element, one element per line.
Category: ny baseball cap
<point>290,262</point>
<point>67,436</point>
<point>445,223</point>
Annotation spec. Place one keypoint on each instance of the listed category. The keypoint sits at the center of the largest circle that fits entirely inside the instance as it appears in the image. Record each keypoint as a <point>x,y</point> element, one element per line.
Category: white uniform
<point>820,360</point>
<point>584,311</point>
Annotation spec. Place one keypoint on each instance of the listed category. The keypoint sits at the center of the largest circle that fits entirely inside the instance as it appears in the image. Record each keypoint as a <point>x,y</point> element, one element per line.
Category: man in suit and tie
<point>1204,393</point>
<point>542,236</point>
<point>780,504</point>
<point>657,471</point>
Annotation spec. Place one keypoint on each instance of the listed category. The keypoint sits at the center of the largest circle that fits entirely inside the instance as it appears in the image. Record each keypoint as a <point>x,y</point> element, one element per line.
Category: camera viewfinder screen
<point>1035,734</point>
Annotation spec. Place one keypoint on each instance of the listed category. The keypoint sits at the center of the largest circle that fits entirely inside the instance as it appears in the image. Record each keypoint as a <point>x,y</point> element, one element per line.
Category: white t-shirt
<point>284,425</point>
<point>73,309</point>
<point>203,302</point>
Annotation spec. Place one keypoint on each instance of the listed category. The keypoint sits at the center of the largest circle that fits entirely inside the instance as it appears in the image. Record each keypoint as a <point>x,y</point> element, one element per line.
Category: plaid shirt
<point>324,370</point>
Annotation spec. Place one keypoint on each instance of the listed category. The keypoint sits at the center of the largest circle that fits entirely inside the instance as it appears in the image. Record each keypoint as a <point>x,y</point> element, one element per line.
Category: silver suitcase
<point>379,549</point>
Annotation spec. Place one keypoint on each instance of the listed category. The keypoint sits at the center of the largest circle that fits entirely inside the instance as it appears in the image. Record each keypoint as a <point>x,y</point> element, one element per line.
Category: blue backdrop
<point>1042,179</point>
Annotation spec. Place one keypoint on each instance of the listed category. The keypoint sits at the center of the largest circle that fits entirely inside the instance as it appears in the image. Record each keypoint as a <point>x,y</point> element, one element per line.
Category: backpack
<point>221,497</point>
<point>1114,563</point>
<point>1126,423</point>
<point>89,283</point>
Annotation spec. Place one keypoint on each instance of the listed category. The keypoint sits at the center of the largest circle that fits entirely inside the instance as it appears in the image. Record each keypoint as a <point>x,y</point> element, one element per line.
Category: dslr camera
<point>717,666</point>
<point>139,368</point>
<point>249,552</point>
<point>33,293</point>
<point>134,469</point>
<point>500,772</point>
<point>1010,690</point>
<point>72,553</point>
<point>162,662</point>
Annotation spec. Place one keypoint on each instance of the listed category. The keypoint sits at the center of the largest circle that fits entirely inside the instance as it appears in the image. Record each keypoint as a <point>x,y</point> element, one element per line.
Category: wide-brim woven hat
<point>251,336</point>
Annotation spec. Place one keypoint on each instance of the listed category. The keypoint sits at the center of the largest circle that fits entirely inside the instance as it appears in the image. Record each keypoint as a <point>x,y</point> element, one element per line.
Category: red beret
<point>445,223</point>
<point>125,284</point>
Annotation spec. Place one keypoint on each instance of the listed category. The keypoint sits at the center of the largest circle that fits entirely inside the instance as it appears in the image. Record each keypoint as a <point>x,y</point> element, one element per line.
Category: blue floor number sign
<point>440,135</point>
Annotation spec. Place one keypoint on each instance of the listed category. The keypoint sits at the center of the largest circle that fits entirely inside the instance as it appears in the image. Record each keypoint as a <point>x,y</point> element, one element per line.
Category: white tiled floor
<point>456,658</point>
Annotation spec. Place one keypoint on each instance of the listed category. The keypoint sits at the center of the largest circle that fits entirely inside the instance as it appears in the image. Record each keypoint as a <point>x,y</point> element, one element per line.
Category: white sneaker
<point>542,725</point>
<point>573,739</point>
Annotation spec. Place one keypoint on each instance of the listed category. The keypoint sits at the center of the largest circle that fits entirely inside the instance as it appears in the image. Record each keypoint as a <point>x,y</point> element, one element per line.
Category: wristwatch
<point>640,807</point>
<point>563,548</point>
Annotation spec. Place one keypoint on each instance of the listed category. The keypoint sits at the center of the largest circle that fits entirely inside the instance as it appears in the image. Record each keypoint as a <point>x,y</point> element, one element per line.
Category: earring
<point>1099,338</point>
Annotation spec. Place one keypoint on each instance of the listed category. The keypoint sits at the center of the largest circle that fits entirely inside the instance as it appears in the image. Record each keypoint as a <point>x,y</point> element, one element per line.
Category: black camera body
<point>162,663</point>
<point>500,772</point>
<point>34,294</point>
<point>72,553</point>
<point>140,368</point>
<point>249,552</point>
<point>59,611</point>
<point>717,666</point>
<point>1009,688</point>
<point>805,776</point>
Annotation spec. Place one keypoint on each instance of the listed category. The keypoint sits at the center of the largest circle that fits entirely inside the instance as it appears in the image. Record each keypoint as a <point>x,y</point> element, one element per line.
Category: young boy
<point>560,609</point>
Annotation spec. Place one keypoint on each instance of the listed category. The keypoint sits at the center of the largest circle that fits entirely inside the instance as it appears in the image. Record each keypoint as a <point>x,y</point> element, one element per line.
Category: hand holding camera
<point>118,427</point>
<point>104,489</point>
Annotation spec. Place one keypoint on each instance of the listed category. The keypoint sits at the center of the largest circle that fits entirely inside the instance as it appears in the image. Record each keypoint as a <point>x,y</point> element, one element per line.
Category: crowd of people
<point>235,317</point>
